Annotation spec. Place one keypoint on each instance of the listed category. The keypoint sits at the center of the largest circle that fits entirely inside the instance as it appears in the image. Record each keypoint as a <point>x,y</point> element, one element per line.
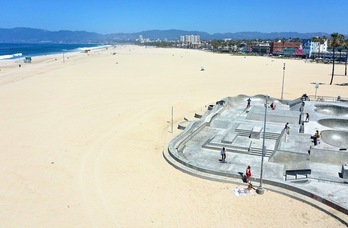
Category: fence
<point>327,98</point>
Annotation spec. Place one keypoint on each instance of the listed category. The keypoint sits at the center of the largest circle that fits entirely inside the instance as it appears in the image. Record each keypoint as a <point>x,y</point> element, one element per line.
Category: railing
<point>278,142</point>
<point>327,98</point>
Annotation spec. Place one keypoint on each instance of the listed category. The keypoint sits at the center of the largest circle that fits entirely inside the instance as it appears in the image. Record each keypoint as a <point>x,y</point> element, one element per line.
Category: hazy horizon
<point>109,16</point>
<point>169,29</point>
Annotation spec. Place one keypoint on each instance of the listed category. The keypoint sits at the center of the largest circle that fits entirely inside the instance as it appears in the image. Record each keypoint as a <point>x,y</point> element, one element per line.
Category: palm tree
<point>345,44</point>
<point>336,41</point>
<point>216,44</point>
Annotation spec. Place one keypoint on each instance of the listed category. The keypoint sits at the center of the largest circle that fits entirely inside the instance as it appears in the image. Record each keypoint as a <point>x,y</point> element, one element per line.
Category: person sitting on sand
<point>250,186</point>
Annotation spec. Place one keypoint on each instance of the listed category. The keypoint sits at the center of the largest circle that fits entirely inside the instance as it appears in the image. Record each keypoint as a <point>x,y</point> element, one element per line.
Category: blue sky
<point>111,16</point>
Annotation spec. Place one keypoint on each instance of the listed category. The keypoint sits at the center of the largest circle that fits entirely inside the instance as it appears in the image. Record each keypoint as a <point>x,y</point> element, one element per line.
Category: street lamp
<point>316,88</point>
<point>171,129</point>
<point>260,190</point>
<point>64,50</point>
<point>283,81</point>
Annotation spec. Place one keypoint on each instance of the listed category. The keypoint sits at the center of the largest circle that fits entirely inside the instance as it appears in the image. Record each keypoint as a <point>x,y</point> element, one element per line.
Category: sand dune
<point>81,141</point>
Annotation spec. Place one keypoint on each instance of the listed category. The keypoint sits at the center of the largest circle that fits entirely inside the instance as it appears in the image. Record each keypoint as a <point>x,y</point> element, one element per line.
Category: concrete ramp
<point>332,110</point>
<point>277,116</point>
<point>335,138</point>
<point>335,123</point>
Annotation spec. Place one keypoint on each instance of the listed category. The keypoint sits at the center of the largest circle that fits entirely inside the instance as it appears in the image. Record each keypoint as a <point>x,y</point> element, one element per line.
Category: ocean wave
<point>11,56</point>
<point>93,48</point>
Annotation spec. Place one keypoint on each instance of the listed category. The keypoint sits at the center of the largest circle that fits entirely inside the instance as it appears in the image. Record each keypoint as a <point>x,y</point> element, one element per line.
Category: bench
<point>296,172</point>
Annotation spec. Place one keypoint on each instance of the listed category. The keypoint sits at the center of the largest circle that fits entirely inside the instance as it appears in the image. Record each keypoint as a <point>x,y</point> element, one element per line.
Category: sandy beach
<point>82,141</point>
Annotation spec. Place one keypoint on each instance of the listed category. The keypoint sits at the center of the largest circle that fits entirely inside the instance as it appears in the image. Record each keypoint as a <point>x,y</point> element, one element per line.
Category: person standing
<point>272,105</point>
<point>248,174</point>
<point>287,131</point>
<point>223,154</point>
<point>287,128</point>
<point>248,104</point>
<point>307,117</point>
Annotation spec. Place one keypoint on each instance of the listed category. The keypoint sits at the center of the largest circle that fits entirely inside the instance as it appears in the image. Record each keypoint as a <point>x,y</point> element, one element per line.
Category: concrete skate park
<point>292,161</point>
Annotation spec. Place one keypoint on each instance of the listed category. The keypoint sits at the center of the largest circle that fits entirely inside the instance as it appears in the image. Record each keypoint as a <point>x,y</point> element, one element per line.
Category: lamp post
<point>260,189</point>
<point>171,129</point>
<point>64,50</point>
<point>316,88</point>
<point>283,81</point>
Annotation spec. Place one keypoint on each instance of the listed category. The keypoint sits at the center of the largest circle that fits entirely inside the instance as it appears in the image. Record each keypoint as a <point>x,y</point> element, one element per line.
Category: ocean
<point>18,50</point>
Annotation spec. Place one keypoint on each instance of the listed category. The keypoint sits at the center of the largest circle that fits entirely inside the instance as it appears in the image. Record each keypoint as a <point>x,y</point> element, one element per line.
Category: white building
<point>190,39</point>
<point>309,47</point>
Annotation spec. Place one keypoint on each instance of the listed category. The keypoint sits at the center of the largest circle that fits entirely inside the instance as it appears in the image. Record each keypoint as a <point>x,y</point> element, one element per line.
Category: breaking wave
<point>11,56</point>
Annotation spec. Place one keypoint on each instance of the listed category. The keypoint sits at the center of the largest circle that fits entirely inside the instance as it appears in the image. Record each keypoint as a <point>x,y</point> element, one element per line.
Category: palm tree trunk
<point>345,69</point>
<point>333,66</point>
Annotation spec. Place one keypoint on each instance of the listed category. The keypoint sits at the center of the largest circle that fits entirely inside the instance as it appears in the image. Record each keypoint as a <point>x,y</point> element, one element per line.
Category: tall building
<point>190,39</point>
<point>197,39</point>
<point>141,39</point>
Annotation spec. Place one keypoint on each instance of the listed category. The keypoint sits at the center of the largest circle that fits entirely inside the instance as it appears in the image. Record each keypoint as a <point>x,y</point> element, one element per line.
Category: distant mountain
<point>31,35</point>
<point>269,36</point>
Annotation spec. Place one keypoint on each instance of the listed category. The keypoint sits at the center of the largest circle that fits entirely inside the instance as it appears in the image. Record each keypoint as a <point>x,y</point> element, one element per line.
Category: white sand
<point>81,142</point>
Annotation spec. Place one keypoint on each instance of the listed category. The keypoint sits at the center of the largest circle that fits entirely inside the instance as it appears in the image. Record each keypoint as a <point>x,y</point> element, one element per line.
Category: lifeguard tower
<point>27,59</point>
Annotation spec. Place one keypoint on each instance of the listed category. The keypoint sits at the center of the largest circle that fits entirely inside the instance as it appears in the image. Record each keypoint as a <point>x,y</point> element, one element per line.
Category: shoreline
<point>41,62</point>
<point>56,56</point>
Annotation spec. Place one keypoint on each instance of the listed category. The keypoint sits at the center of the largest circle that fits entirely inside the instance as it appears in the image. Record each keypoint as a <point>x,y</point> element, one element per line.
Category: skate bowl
<point>335,138</point>
<point>341,124</point>
<point>332,110</point>
<point>242,100</point>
